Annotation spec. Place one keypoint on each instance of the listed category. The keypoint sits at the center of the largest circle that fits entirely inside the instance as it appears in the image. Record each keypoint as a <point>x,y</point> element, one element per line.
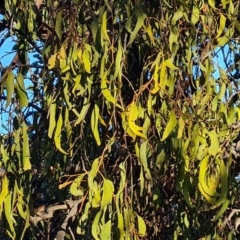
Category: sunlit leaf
<point>9,87</point>
<point>94,124</point>
<point>21,90</point>
<point>170,125</point>
<point>57,136</point>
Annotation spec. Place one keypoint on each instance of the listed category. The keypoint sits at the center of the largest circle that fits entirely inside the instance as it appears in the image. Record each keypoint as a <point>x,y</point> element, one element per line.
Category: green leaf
<point>106,231</point>
<point>141,226</point>
<point>58,24</point>
<point>9,87</point>
<point>170,125</point>
<point>94,124</point>
<point>4,191</point>
<point>222,25</point>
<point>177,15</point>
<point>224,186</point>
<point>181,124</point>
<point>139,24</point>
<point>52,119</point>
<point>57,136</point>
<point>214,148</point>
<point>25,149</point>
<point>52,61</point>
<point>195,15</point>
<point>83,112</point>
<point>95,226</point>
<point>211,3</point>
<point>222,210</point>
<point>21,90</point>
<point>9,215</point>
<point>86,60</point>
<point>93,173</point>
<point>118,59</point>
<point>107,193</point>
<point>20,207</point>
<point>75,188</point>
<point>143,159</point>
<point>104,25</point>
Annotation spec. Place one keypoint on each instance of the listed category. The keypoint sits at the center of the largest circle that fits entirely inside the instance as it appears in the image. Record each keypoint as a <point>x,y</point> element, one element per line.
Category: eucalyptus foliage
<point>125,125</point>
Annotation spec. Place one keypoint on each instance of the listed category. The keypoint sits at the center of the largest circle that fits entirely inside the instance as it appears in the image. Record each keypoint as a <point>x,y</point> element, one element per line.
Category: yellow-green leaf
<point>133,115</point>
<point>86,60</point>
<point>9,87</point>
<point>95,226</point>
<point>195,15</point>
<point>57,136</point>
<point>58,24</point>
<point>140,21</point>
<point>106,231</point>
<point>94,124</point>
<point>170,125</point>
<point>52,119</point>
<point>141,226</point>
<point>26,153</point>
<point>214,148</point>
<point>118,59</point>
<point>9,214</point>
<point>75,188</point>
<point>4,191</point>
<point>222,25</point>
<point>21,90</point>
<point>52,61</point>
<point>143,159</point>
<point>107,194</point>
<point>93,173</point>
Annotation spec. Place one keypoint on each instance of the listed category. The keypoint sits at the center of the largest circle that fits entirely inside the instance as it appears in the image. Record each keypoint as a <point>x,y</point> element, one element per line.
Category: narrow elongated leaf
<point>118,59</point>
<point>93,173</point>
<point>104,25</point>
<point>86,60</point>
<point>195,15</point>
<point>222,25</point>
<point>52,119</point>
<point>4,191</point>
<point>58,25</point>
<point>95,226</point>
<point>52,61</point>
<point>214,148</point>
<point>75,188</point>
<point>9,87</point>
<point>140,21</point>
<point>94,124</point>
<point>21,90</point>
<point>170,125</point>
<point>9,214</point>
<point>25,150</point>
<point>107,194</point>
<point>57,136</point>
<point>106,230</point>
<point>141,226</point>
<point>133,115</point>
<point>143,159</point>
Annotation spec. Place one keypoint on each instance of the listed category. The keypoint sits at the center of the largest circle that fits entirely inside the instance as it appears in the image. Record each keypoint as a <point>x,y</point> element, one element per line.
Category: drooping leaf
<point>170,125</point>
<point>107,193</point>
<point>21,90</point>
<point>94,124</point>
<point>25,150</point>
<point>9,87</point>
<point>57,135</point>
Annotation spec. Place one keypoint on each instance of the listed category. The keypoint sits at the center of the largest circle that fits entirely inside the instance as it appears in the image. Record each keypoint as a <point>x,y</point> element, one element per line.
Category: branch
<point>61,233</point>
<point>29,105</point>
<point>44,214</point>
